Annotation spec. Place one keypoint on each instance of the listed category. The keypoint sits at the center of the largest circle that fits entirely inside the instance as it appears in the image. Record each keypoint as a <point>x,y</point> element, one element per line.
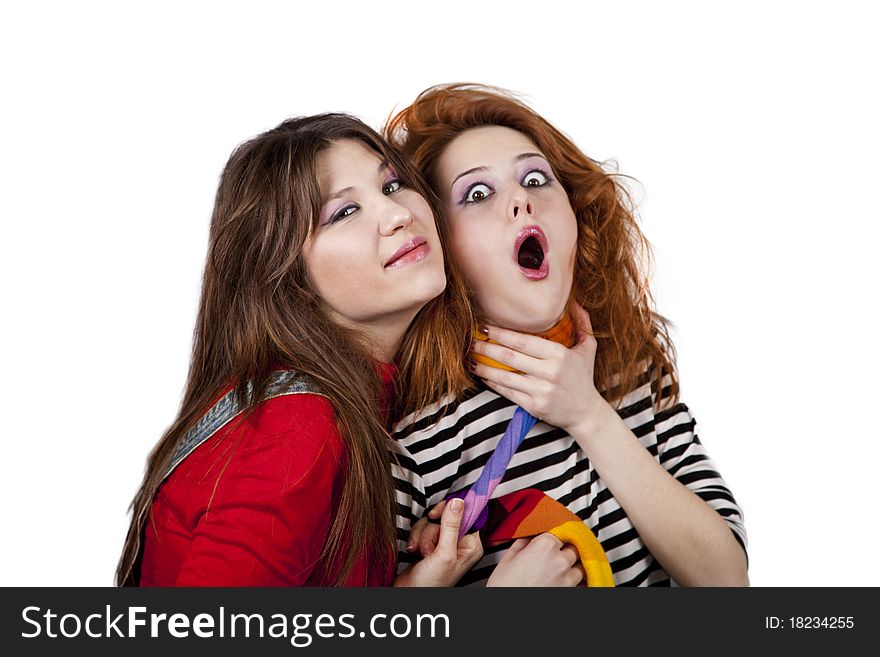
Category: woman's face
<point>514,233</point>
<point>375,256</point>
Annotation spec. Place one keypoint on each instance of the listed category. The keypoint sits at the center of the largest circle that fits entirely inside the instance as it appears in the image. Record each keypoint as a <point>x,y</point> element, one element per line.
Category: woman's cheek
<point>464,249</point>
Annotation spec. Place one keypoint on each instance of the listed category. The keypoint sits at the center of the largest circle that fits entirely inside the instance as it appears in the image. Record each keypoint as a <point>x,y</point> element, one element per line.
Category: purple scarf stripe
<point>477,496</point>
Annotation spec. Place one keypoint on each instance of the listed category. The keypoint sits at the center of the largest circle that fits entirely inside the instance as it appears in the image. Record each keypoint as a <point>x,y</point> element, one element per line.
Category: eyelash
<point>548,179</point>
<point>400,185</point>
<point>467,192</point>
<point>344,213</point>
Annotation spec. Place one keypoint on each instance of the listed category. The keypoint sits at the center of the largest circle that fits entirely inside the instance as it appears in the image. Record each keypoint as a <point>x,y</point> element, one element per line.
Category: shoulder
<point>303,423</point>
<point>302,410</point>
<point>285,444</point>
<point>282,445</point>
<point>280,435</point>
<point>651,412</point>
<point>293,414</point>
<point>653,388</point>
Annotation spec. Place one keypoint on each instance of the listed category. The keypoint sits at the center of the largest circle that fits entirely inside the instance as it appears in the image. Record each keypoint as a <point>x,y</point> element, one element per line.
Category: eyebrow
<point>518,158</point>
<point>384,164</point>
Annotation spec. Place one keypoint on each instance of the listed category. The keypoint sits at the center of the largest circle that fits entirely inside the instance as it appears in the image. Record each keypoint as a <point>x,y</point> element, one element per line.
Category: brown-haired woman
<point>547,243</point>
<point>323,251</point>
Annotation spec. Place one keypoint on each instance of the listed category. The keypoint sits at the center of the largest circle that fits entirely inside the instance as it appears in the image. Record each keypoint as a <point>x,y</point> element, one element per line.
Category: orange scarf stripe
<point>562,332</point>
<point>529,512</point>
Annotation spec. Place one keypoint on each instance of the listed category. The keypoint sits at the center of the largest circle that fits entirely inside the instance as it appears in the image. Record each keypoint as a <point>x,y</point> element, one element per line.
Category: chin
<point>525,318</point>
<point>541,324</point>
<point>430,287</point>
<point>544,312</point>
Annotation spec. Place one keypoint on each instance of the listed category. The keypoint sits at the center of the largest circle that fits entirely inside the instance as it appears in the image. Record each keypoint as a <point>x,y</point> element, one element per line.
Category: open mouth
<point>530,253</point>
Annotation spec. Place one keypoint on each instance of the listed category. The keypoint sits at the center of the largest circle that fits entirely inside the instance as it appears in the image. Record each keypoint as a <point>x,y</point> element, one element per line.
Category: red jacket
<point>255,509</point>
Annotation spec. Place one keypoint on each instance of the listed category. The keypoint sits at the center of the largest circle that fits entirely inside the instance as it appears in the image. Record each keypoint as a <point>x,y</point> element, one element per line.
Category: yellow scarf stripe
<point>592,555</point>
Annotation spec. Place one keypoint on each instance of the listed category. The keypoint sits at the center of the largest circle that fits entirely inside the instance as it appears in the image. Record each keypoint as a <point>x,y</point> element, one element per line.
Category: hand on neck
<point>563,332</point>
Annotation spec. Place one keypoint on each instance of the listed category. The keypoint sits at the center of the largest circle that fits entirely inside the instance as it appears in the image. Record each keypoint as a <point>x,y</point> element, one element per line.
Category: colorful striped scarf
<point>527,512</point>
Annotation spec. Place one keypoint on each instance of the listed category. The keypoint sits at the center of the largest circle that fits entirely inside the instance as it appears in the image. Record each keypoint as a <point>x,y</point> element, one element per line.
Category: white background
<point>752,131</point>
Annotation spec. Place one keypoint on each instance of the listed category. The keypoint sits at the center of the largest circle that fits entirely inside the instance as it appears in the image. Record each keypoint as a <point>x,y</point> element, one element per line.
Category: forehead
<point>484,146</point>
<point>344,162</point>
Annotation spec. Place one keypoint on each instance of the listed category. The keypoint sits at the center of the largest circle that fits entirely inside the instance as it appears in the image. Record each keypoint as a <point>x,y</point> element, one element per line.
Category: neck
<point>383,342</point>
<point>382,337</point>
<point>562,331</point>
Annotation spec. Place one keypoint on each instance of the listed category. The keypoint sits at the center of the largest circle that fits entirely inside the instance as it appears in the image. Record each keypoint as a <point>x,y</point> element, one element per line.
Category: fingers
<point>515,548</point>
<point>571,554</point>
<point>538,363</point>
<point>415,533</point>
<point>429,538</point>
<point>546,541</point>
<point>583,322</point>
<point>450,521</point>
<point>565,555</point>
<point>437,511</point>
<point>507,356</point>
<point>547,544</point>
<point>576,575</point>
<point>570,561</point>
<point>446,564</point>
<point>516,396</point>
<point>542,561</point>
<point>525,344</point>
<point>424,534</point>
<point>470,550</point>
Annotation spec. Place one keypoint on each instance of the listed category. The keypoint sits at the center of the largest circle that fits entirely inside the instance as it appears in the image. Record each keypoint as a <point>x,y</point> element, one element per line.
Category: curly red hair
<point>609,279</point>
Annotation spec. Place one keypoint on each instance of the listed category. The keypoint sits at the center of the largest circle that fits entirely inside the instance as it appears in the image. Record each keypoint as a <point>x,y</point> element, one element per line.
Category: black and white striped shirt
<point>438,457</point>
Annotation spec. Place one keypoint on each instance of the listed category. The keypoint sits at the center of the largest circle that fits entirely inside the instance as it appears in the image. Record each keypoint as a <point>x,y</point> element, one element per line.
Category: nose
<point>394,217</point>
<point>520,205</point>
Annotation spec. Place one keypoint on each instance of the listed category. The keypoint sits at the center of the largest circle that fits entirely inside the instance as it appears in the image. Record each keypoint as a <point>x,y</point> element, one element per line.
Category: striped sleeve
<point>681,453</point>
<point>410,493</point>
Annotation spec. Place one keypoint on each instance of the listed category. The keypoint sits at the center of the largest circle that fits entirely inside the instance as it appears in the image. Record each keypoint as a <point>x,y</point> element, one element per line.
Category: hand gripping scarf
<point>527,512</point>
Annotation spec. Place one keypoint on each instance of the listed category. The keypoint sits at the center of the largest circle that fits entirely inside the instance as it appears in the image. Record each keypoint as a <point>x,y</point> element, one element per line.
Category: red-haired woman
<point>548,245</point>
<point>324,261</point>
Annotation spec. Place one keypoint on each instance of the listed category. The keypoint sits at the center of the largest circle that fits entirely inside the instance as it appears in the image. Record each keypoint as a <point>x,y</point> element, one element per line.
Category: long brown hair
<point>259,310</point>
<point>613,256</point>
